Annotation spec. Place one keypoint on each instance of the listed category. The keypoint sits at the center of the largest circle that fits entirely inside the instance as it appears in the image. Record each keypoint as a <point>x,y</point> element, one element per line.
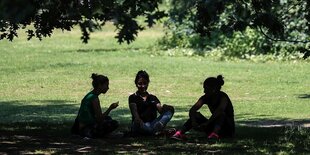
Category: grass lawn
<point>42,83</point>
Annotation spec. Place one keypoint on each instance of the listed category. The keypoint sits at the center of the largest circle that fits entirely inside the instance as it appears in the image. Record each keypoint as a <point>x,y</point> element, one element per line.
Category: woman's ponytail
<point>220,80</point>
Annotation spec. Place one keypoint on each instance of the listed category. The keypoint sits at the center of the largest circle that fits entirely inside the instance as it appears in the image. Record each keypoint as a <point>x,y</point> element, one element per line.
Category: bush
<point>249,44</point>
<point>233,33</point>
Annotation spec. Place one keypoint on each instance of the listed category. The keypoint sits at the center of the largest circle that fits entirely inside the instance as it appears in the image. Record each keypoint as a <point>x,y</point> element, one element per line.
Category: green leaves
<point>46,16</point>
<point>285,25</point>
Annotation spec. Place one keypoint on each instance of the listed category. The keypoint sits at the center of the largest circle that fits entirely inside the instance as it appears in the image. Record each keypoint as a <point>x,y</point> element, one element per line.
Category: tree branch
<point>283,40</point>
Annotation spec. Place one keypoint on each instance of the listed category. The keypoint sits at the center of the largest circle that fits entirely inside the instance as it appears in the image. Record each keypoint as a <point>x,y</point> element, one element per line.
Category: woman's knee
<point>198,117</point>
<point>168,108</point>
<point>220,119</point>
<point>166,117</point>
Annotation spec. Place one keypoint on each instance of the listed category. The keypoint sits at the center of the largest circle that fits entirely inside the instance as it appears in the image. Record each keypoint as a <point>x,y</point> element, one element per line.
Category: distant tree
<point>278,20</point>
<point>274,26</point>
<point>48,15</point>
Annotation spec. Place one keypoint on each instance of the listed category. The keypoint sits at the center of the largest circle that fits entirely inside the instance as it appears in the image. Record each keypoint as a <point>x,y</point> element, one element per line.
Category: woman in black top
<point>144,107</point>
<point>221,123</point>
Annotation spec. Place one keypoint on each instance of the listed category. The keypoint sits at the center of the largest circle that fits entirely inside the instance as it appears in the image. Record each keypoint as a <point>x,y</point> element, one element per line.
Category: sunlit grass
<point>58,68</point>
<point>42,83</point>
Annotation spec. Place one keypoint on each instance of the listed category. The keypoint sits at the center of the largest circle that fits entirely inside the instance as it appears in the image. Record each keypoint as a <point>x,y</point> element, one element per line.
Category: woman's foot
<point>178,136</point>
<point>213,135</point>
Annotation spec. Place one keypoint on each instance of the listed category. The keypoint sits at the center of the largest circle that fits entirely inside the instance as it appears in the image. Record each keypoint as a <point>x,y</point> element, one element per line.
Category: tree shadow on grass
<point>37,110</point>
<point>304,96</point>
<point>46,139</point>
<point>99,50</point>
<point>53,137</point>
<point>267,121</point>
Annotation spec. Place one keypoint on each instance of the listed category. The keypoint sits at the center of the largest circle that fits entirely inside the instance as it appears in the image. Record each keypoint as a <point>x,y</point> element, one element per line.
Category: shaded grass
<point>47,131</point>
<point>29,138</point>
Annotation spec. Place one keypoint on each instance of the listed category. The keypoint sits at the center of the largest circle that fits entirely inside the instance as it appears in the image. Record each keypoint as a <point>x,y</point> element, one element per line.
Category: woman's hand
<point>138,121</point>
<point>114,105</point>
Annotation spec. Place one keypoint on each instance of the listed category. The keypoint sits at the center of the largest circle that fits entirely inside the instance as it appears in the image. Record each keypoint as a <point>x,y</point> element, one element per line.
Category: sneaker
<point>213,135</point>
<point>178,136</point>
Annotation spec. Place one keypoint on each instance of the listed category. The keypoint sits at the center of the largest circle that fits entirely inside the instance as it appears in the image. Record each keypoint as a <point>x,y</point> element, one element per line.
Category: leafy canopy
<point>48,15</point>
<point>278,20</point>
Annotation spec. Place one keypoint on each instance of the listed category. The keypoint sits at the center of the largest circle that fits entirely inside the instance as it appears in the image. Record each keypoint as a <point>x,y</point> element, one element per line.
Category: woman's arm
<point>112,106</point>
<point>159,108</point>
<point>134,112</point>
<point>193,111</point>
<point>97,110</point>
<point>195,108</point>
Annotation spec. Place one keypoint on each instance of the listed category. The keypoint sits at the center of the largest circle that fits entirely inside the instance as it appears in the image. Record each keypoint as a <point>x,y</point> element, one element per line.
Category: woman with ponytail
<point>91,122</point>
<point>221,123</point>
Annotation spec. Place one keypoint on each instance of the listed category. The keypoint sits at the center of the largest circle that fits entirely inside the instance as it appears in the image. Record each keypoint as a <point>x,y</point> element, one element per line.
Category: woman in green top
<point>91,122</point>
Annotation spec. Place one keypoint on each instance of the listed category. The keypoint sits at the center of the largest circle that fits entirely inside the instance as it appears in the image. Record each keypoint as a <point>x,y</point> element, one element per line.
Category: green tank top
<point>86,113</point>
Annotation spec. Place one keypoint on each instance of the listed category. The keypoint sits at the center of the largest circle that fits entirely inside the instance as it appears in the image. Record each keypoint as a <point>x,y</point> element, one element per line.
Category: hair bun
<point>220,80</point>
<point>94,76</point>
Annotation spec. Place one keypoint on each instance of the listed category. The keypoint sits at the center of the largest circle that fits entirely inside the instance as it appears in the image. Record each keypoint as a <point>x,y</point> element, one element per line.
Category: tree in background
<point>233,26</point>
<point>276,25</point>
<point>48,15</point>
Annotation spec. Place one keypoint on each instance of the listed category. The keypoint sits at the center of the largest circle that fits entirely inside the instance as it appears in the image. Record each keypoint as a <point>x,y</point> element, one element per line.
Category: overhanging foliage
<point>277,19</point>
<point>277,26</point>
<point>48,15</point>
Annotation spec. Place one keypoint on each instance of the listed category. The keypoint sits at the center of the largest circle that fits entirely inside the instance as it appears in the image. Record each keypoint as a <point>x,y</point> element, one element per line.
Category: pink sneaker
<point>213,135</point>
<point>178,136</point>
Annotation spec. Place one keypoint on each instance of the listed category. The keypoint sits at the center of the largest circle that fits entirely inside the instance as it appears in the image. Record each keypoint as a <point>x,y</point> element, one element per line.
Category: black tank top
<point>214,102</point>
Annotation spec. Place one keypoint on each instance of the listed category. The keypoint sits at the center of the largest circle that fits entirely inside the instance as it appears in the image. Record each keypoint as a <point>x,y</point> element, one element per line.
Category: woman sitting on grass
<point>144,107</point>
<point>91,122</point>
<point>221,123</point>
